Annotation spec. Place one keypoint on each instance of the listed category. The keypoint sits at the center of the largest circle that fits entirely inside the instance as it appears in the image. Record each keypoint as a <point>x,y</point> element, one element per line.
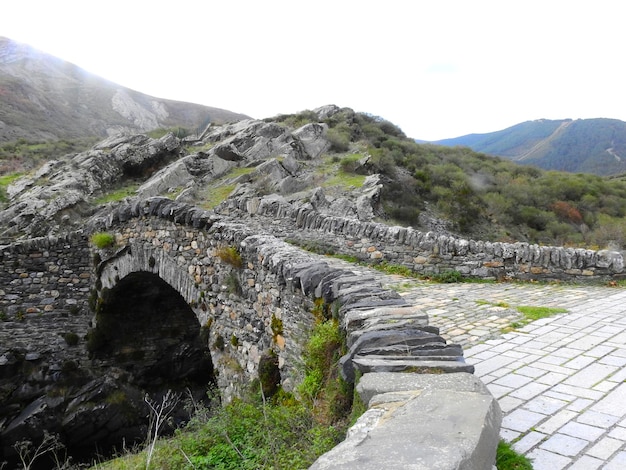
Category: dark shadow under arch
<point>144,326</point>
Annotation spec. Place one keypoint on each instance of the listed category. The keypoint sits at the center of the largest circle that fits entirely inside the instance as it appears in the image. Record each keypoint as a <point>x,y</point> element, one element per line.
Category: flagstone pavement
<point>560,381</point>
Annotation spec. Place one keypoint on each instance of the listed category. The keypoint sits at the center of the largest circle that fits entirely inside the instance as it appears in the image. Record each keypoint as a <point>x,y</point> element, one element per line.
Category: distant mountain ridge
<point>44,97</point>
<point>595,146</point>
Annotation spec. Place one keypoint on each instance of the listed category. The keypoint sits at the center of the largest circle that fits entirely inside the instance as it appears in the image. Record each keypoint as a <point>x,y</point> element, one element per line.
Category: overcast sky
<point>436,68</point>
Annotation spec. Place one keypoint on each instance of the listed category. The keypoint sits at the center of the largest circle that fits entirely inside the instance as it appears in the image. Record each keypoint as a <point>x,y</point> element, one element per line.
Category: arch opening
<point>145,327</point>
<point>146,341</point>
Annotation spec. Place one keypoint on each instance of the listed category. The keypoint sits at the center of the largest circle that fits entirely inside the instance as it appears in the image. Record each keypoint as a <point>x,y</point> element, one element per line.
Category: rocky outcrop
<point>56,198</point>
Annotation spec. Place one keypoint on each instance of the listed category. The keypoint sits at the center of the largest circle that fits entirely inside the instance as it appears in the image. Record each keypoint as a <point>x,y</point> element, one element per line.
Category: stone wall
<point>428,252</point>
<point>44,290</point>
<point>248,306</point>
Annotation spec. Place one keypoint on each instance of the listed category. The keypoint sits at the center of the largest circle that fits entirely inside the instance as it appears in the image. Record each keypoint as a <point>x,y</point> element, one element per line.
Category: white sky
<point>436,68</point>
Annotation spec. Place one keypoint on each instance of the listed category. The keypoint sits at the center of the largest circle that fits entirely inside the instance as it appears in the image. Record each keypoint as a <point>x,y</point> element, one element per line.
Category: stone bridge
<point>188,296</point>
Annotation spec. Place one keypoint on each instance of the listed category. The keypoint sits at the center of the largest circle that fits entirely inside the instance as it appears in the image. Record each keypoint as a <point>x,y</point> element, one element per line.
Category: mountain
<point>46,98</point>
<point>595,146</point>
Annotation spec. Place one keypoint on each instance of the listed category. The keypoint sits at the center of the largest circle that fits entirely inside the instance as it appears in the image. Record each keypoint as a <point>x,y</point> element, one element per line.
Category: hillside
<point>44,98</point>
<point>595,146</point>
<point>333,160</point>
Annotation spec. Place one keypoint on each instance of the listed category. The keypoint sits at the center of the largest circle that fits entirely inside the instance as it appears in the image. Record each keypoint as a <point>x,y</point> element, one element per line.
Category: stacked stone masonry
<point>44,290</point>
<point>264,303</point>
<point>428,252</point>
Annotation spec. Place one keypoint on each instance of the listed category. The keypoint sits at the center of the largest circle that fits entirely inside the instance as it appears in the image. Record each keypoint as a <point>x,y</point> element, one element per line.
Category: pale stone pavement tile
<point>564,445</point>
<point>582,431</point>
<point>531,372</point>
<point>508,404</point>
<point>529,441</point>
<point>542,404</point>
<point>557,421</point>
<point>586,463</point>
<point>545,460</point>
<point>616,463</point>
<point>605,386</point>
<point>590,375</point>
<point>618,433</point>
<point>600,420</point>
<point>513,380</point>
<point>529,391</point>
<point>521,420</point>
<point>614,403</point>
<point>560,396</point>
<point>605,448</point>
<point>509,435</point>
<point>580,404</point>
<point>579,363</point>
<point>551,378</point>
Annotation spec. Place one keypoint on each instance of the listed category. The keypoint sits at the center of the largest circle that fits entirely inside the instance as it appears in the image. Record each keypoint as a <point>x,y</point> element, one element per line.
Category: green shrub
<point>277,326</point>
<point>229,255</point>
<point>232,283</point>
<point>339,139</point>
<point>447,277</point>
<point>269,374</point>
<point>71,338</point>
<point>103,240</point>
<point>219,343</point>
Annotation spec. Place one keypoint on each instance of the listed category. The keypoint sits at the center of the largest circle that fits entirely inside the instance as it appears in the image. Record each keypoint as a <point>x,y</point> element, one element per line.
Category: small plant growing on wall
<point>232,283</point>
<point>103,240</point>
<point>71,338</point>
<point>277,327</point>
<point>230,255</point>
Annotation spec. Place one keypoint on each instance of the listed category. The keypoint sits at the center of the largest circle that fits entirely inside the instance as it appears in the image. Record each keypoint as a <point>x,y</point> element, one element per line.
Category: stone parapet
<point>428,252</point>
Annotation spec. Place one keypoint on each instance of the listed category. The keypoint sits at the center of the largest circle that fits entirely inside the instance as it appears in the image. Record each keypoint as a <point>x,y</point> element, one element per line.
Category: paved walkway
<point>560,381</point>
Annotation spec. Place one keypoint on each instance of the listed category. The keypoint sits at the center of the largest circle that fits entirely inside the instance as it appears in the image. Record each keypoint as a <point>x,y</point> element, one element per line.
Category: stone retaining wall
<point>428,252</point>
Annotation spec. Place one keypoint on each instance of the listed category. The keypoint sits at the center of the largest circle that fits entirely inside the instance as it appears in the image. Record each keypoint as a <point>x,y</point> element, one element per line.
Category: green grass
<point>216,195</point>
<point>5,181</point>
<point>238,171</point>
<point>508,459</point>
<point>103,240</point>
<point>117,195</point>
<point>262,432</point>
<point>220,189</point>
<point>535,313</point>
<point>493,304</point>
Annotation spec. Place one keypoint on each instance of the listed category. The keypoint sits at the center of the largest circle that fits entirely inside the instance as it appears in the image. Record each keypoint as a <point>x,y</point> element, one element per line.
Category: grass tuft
<point>535,313</point>
<point>103,240</point>
<point>508,459</point>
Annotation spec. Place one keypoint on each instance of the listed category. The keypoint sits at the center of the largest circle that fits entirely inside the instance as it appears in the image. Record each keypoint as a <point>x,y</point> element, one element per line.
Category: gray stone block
<point>427,429</point>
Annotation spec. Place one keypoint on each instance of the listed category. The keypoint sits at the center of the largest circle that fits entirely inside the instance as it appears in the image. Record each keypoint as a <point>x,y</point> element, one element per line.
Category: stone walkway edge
<point>560,381</point>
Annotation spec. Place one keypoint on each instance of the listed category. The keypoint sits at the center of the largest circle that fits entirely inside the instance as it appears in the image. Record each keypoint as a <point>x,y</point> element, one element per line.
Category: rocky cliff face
<point>247,158</point>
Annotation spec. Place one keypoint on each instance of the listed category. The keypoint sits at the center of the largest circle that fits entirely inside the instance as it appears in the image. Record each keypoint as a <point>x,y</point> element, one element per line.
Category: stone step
<point>404,364</point>
<point>429,349</point>
<point>359,318</point>
<point>409,324</point>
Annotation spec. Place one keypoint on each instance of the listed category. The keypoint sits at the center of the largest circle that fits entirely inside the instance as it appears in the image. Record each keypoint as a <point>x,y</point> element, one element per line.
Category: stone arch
<point>145,327</point>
